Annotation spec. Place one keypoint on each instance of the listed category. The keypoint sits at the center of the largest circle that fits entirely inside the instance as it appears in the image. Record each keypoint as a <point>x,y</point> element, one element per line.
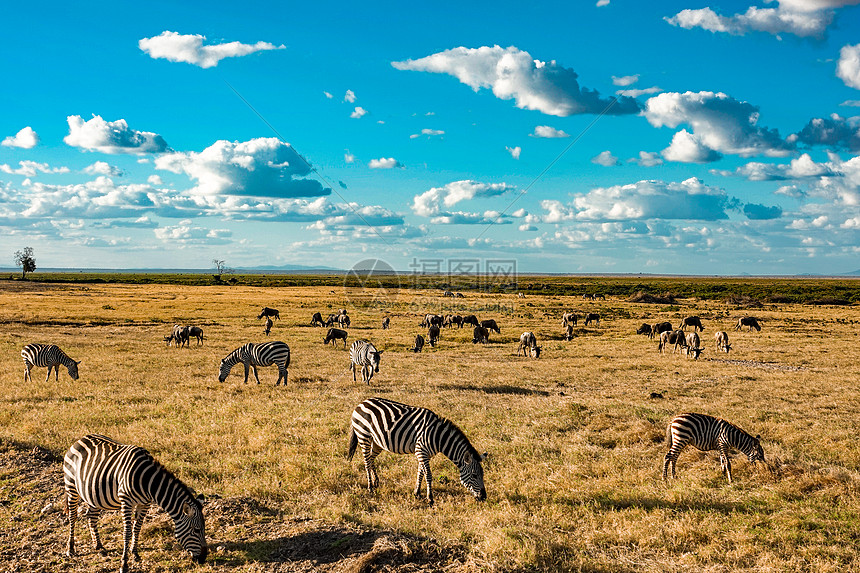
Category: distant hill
<point>853,273</point>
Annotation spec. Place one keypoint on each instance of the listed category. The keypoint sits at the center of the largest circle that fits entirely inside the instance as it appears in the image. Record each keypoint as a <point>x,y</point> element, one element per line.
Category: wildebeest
<point>645,329</point>
<point>196,332</point>
<point>343,320</point>
<point>448,293</point>
<point>179,336</point>
<point>598,296</point>
<point>432,319</point>
<point>722,340</point>
<point>433,335</point>
<point>419,343</point>
<point>460,295</point>
<point>528,341</point>
<point>317,320</point>
<point>673,337</point>
<point>693,345</point>
<point>592,317</point>
<point>331,320</point>
<point>693,321</point>
<point>480,334</point>
<point>568,332</point>
<point>521,295</point>
<point>386,323</point>
<point>268,328</point>
<point>660,328</point>
<point>490,324</point>
<point>750,321</point>
<point>266,311</point>
<point>569,318</point>
<point>470,319</point>
<point>454,319</point>
<point>335,334</point>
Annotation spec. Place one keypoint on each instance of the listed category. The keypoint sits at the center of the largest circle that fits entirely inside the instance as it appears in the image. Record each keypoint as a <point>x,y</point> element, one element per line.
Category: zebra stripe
<point>379,424</point>
<point>707,433</point>
<point>364,354</point>
<point>253,355</point>
<point>107,475</point>
<point>48,355</point>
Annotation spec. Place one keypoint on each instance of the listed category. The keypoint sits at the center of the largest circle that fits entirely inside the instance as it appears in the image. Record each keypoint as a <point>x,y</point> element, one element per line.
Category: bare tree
<point>26,261</point>
<point>221,267</point>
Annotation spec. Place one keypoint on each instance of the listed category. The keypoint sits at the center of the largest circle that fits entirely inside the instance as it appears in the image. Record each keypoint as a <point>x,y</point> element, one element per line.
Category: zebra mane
<point>470,448</point>
<point>179,484</point>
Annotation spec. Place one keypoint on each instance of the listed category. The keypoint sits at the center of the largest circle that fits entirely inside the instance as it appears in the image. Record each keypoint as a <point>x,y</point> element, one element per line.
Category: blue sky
<point>613,136</point>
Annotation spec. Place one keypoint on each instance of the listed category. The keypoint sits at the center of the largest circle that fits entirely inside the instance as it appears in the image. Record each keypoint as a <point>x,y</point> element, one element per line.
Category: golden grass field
<point>576,442</point>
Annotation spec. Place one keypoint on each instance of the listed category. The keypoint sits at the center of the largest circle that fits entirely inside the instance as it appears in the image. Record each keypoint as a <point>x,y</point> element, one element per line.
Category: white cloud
<point>103,168</point>
<point>348,157</point>
<point>25,139</point>
<point>328,95</point>
<point>548,132</point>
<point>349,96</point>
<point>606,159</point>
<point>431,203</point>
<point>29,168</point>
<point>601,3</point>
<point>848,68</point>
<point>648,159</point>
<point>262,167</point>
<point>185,233</point>
<point>428,133</point>
<point>851,103</point>
<point>690,199</point>
<point>111,136</point>
<point>638,92</point>
<point>154,180</point>
<point>835,132</point>
<point>513,74</point>
<point>802,167</point>
<point>384,163</point>
<point>514,151</point>
<point>804,18</point>
<point>721,125</point>
<point>358,112</point>
<point>189,48</point>
<point>625,80</point>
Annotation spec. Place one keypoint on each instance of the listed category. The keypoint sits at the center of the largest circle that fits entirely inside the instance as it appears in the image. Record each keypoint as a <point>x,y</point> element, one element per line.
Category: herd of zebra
<point>102,474</point>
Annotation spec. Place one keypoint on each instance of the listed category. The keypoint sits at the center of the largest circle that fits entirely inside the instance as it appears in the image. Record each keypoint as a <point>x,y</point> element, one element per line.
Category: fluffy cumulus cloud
<point>439,200</point>
<point>720,123</point>
<point>186,233</point>
<point>262,167</point>
<point>29,168</point>
<point>384,163</point>
<point>513,74</point>
<point>189,48</point>
<point>761,212</point>
<point>606,159</point>
<point>111,136</point>
<point>103,168</point>
<point>803,167</point>
<point>804,18</point>
<point>349,96</point>
<point>428,133</point>
<point>548,132</point>
<point>689,200</point>
<point>358,112</point>
<point>835,132</point>
<point>848,68</point>
<point>25,139</point>
<point>514,151</point>
<point>647,159</point>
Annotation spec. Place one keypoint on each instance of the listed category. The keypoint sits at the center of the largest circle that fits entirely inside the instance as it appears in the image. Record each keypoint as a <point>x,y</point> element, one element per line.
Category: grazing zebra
<point>107,475</point>
<point>379,424</point>
<point>363,353</point>
<point>253,355</point>
<point>528,341</point>
<point>48,355</point>
<point>709,433</point>
<point>386,323</point>
<point>268,328</point>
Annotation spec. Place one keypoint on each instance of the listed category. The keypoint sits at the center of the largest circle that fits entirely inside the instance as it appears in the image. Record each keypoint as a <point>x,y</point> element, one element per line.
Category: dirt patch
<point>241,531</point>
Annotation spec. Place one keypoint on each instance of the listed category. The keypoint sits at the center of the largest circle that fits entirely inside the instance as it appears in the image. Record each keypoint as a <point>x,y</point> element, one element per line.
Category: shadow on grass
<point>639,501</point>
<point>499,389</point>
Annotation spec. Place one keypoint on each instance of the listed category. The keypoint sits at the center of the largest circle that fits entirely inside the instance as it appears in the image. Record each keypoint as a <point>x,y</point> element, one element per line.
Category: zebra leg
<point>370,452</point>
<point>672,458</point>
<point>27,367</point>
<point>352,365</point>
<point>139,516</point>
<point>247,366</point>
<point>254,368</point>
<point>369,374</point>
<point>72,499</point>
<point>48,377</point>
<point>92,514</point>
<point>127,511</point>
<point>725,463</point>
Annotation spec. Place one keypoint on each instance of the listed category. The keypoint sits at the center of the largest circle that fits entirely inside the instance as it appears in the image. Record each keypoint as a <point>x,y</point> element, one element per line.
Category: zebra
<point>180,335</point>
<point>268,327</point>
<point>386,323</point>
<point>107,475</point>
<point>707,433</point>
<point>48,355</point>
<point>363,353</point>
<point>379,424</point>
<point>253,355</point>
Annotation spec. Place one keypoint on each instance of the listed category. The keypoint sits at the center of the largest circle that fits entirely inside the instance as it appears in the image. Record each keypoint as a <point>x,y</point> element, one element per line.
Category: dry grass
<point>575,441</point>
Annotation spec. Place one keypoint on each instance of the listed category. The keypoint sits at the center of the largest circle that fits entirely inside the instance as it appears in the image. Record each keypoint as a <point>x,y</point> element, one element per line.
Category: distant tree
<point>221,267</point>
<point>26,261</point>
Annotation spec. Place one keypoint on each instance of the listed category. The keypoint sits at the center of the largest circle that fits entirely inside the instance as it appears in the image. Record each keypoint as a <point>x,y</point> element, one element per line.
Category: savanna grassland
<point>575,438</point>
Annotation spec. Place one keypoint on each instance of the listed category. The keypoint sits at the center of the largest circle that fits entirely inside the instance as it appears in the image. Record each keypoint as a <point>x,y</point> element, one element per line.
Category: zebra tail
<point>353,444</point>
<point>669,435</point>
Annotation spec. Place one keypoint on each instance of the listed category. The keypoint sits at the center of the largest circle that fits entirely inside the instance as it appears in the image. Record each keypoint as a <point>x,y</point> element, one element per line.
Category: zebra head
<point>472,475</point>
<point>73,369</point>
<point>536,351</point>
<point>756,452</point>
<point>224,371</point>
<point>190,530</point>
<point>374,359</point>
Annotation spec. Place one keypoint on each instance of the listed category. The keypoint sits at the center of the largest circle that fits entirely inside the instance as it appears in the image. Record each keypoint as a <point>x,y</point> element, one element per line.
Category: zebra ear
<point>78,362</point>
<point>758,437</point>
<point>484,456</point>
<point>186,510</point>
<point>380,352</point>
